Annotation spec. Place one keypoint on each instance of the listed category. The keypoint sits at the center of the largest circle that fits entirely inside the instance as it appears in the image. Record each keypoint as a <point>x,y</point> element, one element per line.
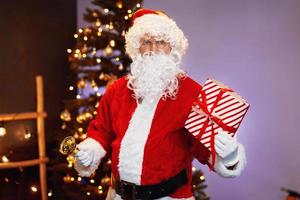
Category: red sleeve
<point>100,128</point>
<point>199,151</point>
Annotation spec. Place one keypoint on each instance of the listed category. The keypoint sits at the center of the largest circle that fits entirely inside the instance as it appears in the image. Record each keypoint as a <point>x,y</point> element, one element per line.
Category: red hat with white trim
<point>157,24</point>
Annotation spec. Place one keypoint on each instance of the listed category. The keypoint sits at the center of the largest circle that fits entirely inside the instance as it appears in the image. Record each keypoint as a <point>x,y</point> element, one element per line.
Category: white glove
<point>229,153</point>
<point>88,157</point>
<point>226,146</point>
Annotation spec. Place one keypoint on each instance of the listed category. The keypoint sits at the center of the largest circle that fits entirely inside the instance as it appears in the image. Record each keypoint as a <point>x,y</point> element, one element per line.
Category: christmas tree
<point>97,59</point>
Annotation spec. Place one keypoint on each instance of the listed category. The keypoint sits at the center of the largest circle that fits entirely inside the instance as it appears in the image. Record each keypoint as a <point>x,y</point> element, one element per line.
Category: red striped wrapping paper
<point>217,107</point>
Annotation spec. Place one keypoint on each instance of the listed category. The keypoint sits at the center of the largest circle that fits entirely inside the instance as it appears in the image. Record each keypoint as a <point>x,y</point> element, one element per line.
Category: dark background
<point>34,36</point>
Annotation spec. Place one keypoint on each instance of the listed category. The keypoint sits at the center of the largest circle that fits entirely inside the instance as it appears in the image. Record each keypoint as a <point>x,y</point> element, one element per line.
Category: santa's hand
<point>83,157</point>
<point>88,157</point>
<point>225,145</point>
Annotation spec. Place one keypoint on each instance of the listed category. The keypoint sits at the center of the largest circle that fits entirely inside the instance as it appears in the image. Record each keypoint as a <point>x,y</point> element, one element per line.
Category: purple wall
<point>254,47</point>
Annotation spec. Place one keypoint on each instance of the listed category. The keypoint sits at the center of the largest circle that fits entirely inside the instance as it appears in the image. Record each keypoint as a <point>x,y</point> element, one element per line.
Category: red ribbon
<point>210,117</point>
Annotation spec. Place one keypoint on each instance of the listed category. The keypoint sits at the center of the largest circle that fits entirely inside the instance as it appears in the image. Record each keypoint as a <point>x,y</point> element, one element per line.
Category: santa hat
<point>158,24</point>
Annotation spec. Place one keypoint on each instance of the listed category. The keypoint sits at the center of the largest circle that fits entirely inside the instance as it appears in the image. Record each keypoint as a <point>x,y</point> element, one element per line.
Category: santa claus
<point>141,120</point>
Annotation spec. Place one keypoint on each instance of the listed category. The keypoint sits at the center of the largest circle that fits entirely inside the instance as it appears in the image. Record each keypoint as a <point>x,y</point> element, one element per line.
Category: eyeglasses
<point>149,43</point>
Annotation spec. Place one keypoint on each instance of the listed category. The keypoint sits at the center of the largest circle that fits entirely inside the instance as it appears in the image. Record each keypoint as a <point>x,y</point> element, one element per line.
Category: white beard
<point>154,75</point>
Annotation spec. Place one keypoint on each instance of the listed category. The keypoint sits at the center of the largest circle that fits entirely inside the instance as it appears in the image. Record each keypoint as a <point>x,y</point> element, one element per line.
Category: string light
<point>2,130</point>
<point>111,26</point>
<point>92,181</point>
<point>63,126</point>
<point>98,23</point>
<point>50,194</point>
<point>85,38</point>
<point>129,11</point>
<point>98,60</point>
<point>119,4</point>
<point>80,130</point>
<point>4,159</point>
<point>88,193</point>
<point>69,50</point>
<point>71,88</point>
<point>76,135</point>
<point>112,43</point>
<point>79,178</point>
<point>75,36</point>
<point>27,134</point>
<point>34,188</point>
<point>108,50</point>
<point>101,77</point>
<point>65,116</point>
<point>126,17</point>
<point>83,136</point>
<point>95,14</point>
<point>80,30</point>
<point>138,5</point>
<point>77,51</point>
<point>78,96</point>
<point>202,178</point>
<point>121,67</point>
<point>106,10</point>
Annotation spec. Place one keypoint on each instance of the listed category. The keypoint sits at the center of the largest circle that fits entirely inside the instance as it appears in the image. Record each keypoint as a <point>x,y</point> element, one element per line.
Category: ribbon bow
<point>211,117</point>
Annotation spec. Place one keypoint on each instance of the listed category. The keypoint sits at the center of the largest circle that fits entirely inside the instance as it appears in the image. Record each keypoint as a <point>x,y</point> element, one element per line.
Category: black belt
<point>130,191</point>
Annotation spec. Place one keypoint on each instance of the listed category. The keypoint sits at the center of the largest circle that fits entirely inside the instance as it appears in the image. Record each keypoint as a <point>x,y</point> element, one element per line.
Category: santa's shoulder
<point>187,83</point>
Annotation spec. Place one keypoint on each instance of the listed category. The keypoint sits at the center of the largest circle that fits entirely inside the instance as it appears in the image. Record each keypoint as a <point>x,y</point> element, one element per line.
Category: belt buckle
<point>129,185</point>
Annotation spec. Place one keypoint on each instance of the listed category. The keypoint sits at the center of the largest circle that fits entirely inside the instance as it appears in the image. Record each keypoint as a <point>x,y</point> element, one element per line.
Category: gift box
<point>217,107</point>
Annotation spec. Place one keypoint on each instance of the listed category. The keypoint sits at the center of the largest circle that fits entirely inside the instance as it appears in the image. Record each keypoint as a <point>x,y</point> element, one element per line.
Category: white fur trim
<point>158,26</point>
<point>94,149</point>
<point>118,197</point>
<point>133,144</point>
<point>111,194</point>
<point>222,170</point>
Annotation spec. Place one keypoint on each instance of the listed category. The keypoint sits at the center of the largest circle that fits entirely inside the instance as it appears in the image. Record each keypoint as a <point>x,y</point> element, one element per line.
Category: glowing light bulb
<point>126,17</point>
<point>2,131</point>
<point>98,60</point>
<point>4,159</point>
<point>202,178</point>
<point>98,23</point>
<point>34,188</point>
<point>112,43</point>
<point>75,36</point>
<point>106,10</point>
<point>71,88</point>
<point>138,5</point>
<point>80,30</point>
<point>85,38</point>
<point>27,134</point>
<point>69,50</point>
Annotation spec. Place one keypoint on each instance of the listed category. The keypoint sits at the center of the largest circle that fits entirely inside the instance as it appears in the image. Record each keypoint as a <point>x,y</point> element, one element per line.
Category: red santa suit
<point>147,140</point>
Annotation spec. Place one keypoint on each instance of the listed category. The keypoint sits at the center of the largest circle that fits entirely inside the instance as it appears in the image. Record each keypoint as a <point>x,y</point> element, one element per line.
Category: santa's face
<point>154,44</point>
<point>154,72</point>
